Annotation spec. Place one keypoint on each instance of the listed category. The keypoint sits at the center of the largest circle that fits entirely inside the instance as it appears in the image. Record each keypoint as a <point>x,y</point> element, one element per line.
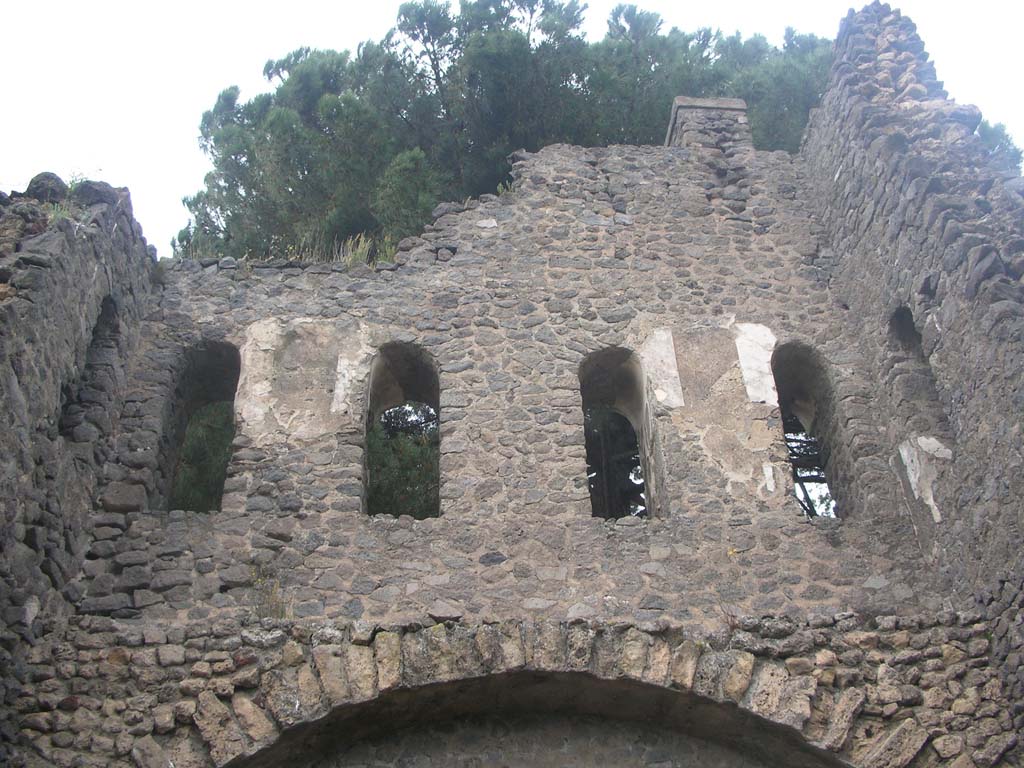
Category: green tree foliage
<point>406,194</point>
<point>203,461</point>
<point>403,462</point>
<point>999,145</point>
<point>779,86</point>
<point>433,110</point>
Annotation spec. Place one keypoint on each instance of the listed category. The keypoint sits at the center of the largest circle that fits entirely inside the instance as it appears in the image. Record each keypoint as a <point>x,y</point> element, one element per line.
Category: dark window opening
<point>611,384</point>
<point>614,473</point>
<point>403,438</point>
<point>207,416</point>
<point>804,393</point>
<point>903,331</point>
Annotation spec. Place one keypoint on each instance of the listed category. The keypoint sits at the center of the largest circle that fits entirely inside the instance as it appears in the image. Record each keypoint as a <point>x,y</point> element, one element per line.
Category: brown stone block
<point>607,651</point>
<point>897,747</point>
<point>253,720</point>
<point>737,677</point>
<point>513,652</point>
<point>948,746</point>
<point>994,749</point>
<point>684,664</point>
<point>579,645</point>
<point>488,646</point>
<point>293,695</point>
<point>218,729</point>
<point>438,650</point>
<point>148,754</point>
<point>766,690</point>
<point>659,660</point>
<point>463,652</point>
<point>331,667</point>
<point>633,660</point>
<point>846,709</point>
<point>546,645</point>
<point>387,651</point>
<point>361,672</point>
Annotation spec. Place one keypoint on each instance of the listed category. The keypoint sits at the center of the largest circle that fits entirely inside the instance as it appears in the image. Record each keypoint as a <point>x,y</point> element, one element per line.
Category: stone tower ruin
<point>708,293</point>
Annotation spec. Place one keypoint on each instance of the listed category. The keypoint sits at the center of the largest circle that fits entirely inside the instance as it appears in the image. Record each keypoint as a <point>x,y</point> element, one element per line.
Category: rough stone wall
<point>70,294</point>
<point>251,635</point>
<point>917,215</point>
<point>685,255</point>
<point>777,691</point>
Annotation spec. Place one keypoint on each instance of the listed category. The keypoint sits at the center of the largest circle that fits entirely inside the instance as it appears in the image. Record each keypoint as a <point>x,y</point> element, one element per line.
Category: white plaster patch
<point>658,355</point>
<point>769,477</point>
<point>251,398</point>
<point>934,446</point>
<point>754,346</point>
<point>920,456</point>
<point>352,363</point>
<point>298,378</point>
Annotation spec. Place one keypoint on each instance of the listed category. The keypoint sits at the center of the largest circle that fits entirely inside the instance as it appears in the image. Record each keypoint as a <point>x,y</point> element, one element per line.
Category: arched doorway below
<point>540,719</point>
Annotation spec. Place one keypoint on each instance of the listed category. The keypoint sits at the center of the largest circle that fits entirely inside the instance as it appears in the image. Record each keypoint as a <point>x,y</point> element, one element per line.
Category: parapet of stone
<point>708,123</point>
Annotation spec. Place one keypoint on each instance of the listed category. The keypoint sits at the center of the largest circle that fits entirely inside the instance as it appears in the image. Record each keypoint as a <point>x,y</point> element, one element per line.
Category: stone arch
<point>612,382</point>
<point>808,412</point>
<point>510,714</point>
<point>403,403</point>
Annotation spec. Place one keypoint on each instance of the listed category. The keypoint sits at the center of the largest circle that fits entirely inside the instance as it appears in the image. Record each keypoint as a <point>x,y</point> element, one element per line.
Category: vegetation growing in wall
<point>203,459</point>
<point>367,143</point>
<point>999,145</point>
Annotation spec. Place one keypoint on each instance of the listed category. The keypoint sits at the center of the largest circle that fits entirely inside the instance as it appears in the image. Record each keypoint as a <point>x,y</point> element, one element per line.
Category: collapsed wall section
<point>927,229</point>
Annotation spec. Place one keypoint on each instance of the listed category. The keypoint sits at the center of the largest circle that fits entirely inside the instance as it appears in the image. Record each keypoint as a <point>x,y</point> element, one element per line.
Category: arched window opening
<point>206,427</point>
<point>89,401</point>
<point>403,438</point>
<point>911,381</point>
<point>803,391</point>
<point>614,430</point>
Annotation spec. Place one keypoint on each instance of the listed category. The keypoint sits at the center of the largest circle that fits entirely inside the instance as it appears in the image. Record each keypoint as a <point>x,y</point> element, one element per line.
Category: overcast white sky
<point>115,91</point>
